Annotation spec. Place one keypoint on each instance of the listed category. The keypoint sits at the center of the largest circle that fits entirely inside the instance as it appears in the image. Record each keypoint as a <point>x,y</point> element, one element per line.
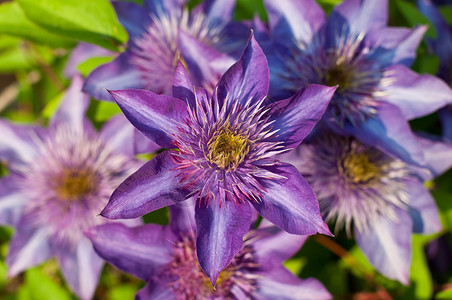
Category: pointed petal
<point>291,204</point>
<point>423,209</point>
<point>391,133</point>
<point>139,251</point>
<point>73,107</point>
<point>415,95</point>
<point>182,220</point>
<point>81,53</point>
<point>220,232</point>
<point>218,11</point>
<point>118,133</point>
<point>133,17</point>
<point>29,247</point>
<point>267,242</point>
<point>199,57</point>
<point>156,116</point>
<point>115,75</point>
<point>12,200</point>
<point>17,142</point>
<point>361,15</point>
<point>438,154</point>
<point>387,245</point>
<point>81,268</point>
<point>296,117</point>
<point>150,188</point>
<point>247,78</point>
<point>403,41</point>
<point>272,287</point>
<point>183,87</point>
<point>299,19</point>
<point>156,290</point>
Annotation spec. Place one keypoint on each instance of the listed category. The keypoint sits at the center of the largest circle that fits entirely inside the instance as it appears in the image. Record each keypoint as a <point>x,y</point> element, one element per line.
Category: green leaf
<point>420,274</point>
<point>40,286</point>
<point>443,200</point>
<point>105,110</point>
<point>12,60</point>
<point>447,294</point>
<point>92,21</point>
<point>295,265</point>
<point>14,22</point>
<point>414,17</point>
<point>90,64</point>
<point>52,106</point>
<point>125,291</point>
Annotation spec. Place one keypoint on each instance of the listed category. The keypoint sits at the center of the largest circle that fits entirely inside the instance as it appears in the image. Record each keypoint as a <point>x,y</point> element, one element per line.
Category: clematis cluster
<point>256,136</point>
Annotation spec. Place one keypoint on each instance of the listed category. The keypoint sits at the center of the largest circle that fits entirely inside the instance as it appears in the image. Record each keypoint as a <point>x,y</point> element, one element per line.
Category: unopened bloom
<point>161,33</point>
<point>165,257</point>
<point>59,180</point>
<point>354,49</point>
<point>226,145</point>
<point>380,198</point>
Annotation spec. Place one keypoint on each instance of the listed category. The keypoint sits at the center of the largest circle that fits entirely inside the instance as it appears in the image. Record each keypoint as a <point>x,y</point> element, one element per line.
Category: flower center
<point>227,149</point>
<point>360,169</point>
<point>75,184</point>
<point>338,75</point>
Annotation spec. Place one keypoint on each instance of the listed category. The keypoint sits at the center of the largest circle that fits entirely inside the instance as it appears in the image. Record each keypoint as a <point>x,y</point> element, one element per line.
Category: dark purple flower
<point>354,49</point>
<point>165,257</point>
<point>382,197</point>
<point>161,33</point>
<point>225,157</point>
<point>59,180</point>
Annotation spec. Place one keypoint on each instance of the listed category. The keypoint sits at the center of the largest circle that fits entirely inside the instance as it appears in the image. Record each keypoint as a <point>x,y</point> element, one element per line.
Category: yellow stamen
<point>360,169</point>
<point>227,149</point>
<point>74,184</point>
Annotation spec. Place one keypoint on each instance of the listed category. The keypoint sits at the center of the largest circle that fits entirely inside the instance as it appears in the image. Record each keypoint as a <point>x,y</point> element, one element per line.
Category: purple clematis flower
<point>162,32</point>
<point>60,179</point>
<point>382,197</point>
<point>369,61</point>
<point>225,157</point>
<point>165,257</point>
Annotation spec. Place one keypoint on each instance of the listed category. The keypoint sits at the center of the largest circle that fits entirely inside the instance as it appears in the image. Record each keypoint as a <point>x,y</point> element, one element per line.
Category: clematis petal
<point>156,290</point>
<point>81,268</point>
<point>182,218</point>
<point>152,187</point>
<point>423,209</point>
<point>273,286</point>
<point>292,18</point>
<point>403,41</point>
<point>139,251</point>
<point>156,116</point>
<point>12,200</point>
<point>117,74</point>
<point>220,231</point>
<point>218,11</point>
<point>387,245</point>
<point>201,60</point>
<point>415,95</point>
<point>17,142</point>
<point>133,17</point>
<point>291,204</point>
<point>268,241</point>
<point>296,117</point>
<point>183,87</point>
<point>29,247</point>
<point>247,78</point>
<point>73,107</point>
<point>81,53</point>
<point>390,133</point>
<point>438,154</point>
<point>361,15</point>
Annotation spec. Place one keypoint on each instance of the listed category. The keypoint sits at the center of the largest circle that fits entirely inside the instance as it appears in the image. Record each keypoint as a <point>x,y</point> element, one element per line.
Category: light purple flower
<point>353,48</point>
<point>165,257</point>
<point>59,180</point>
<point>161,33</point>
<point>225,157</point>
<point>381,197</point>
